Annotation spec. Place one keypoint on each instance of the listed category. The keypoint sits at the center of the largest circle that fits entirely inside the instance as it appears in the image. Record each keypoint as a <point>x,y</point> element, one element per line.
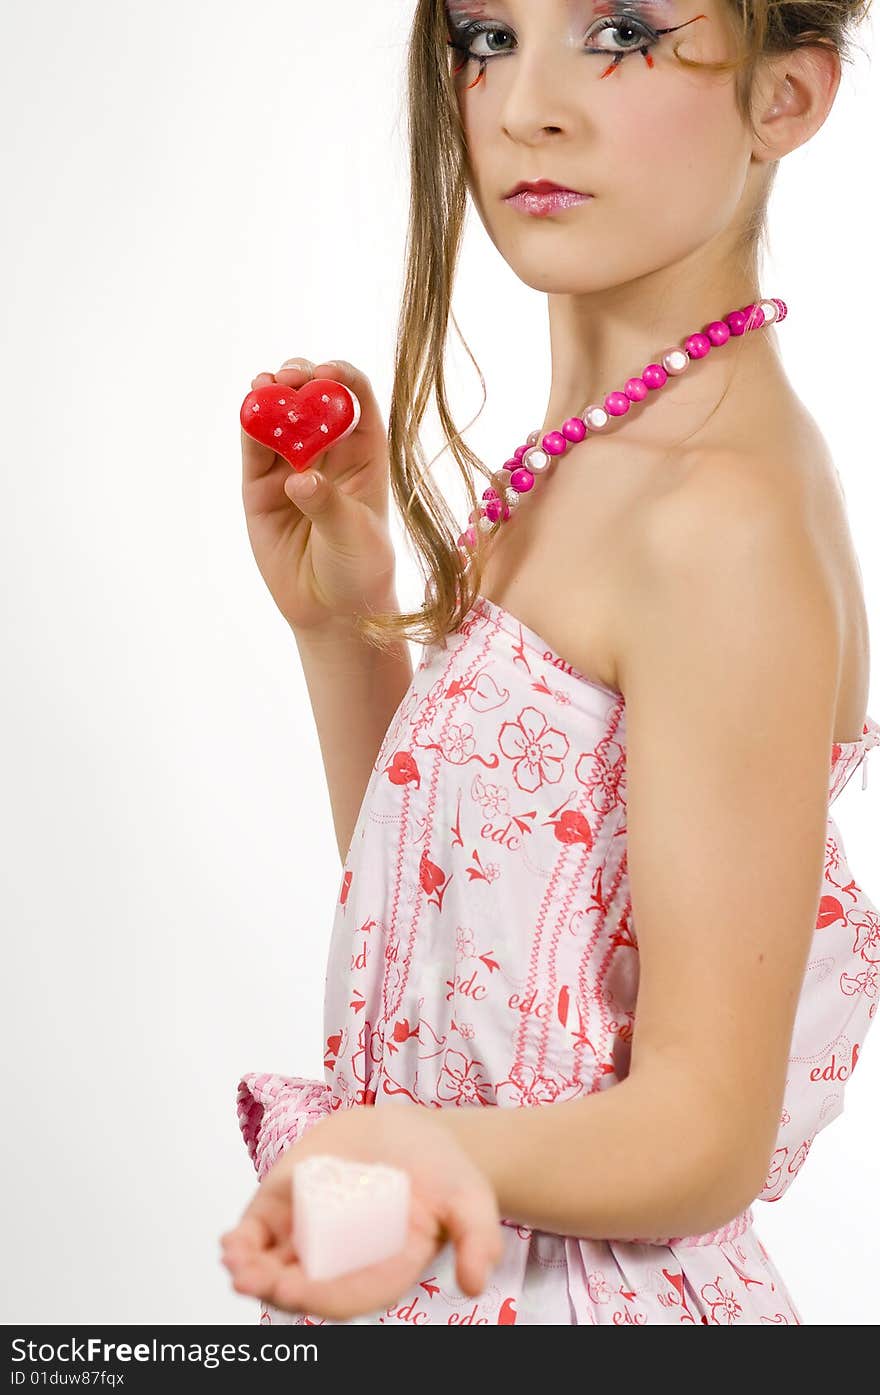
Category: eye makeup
<point>468,26</point>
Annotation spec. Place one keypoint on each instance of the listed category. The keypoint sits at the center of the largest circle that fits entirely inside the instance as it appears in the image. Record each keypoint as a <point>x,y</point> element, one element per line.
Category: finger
<point>257,1270</point>
<point>472,1224</point>
<point>336,515</point>
<point>265,1221</point>
<point>251,1235</point>
<point>295,371</point>
<point>341,371</point>
<point>260,1276</point>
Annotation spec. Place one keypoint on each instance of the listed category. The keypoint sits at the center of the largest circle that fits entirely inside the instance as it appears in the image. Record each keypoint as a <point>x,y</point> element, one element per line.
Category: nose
<point>544,86</point>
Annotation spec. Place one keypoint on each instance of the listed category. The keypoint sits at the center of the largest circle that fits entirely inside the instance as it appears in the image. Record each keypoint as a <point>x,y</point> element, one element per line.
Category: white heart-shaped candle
<point>347,1214</point>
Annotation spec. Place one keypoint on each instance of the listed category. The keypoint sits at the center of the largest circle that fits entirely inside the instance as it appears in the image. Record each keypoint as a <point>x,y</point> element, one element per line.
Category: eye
<point>463,39</point>
<point>632,34</point>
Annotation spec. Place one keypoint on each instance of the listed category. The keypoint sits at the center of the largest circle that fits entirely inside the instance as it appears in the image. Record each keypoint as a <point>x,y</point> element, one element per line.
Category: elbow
<point>728,1178</point>
<point>710,1152</point>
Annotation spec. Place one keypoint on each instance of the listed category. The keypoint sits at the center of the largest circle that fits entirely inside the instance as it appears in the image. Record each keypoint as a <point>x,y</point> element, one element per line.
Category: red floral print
<point>461,1081</point>
<point>537,750</point>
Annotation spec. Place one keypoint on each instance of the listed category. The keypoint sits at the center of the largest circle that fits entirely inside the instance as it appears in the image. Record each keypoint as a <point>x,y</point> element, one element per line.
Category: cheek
<point>480,126</point>
<point>679,154</point>
<point>480,123</point>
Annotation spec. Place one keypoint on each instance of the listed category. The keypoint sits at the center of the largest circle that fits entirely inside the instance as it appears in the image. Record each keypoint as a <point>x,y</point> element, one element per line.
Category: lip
<point>543,198</point>
<point>540,186</point>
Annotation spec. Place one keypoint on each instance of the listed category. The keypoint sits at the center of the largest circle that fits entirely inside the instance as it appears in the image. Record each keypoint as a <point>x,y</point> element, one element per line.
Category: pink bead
<point>736,321</point>
<point>697,345</point>
<point>636,389</point>
<point>473,516</point>
<point>522,480</point>
<point>654,376</point>
<point>471,537</point>
<point>520,452</point>
<point>554,443</point>
<point>718,332</point>
<point>754,316</point>
<point>575,429</point>
<point>494,509</point>
<point>783,308</point>
<point>512,463</point>
<point>617,404</point>
<point>462,540</point>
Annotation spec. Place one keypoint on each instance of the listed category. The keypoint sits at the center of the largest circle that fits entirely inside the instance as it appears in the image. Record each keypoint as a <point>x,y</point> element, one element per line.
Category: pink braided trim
<point>274,1111</point>
<point>710,1237</point>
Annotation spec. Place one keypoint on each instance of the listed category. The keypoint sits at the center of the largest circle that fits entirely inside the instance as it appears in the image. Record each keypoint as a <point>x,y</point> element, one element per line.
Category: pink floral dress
<point>484,952</point>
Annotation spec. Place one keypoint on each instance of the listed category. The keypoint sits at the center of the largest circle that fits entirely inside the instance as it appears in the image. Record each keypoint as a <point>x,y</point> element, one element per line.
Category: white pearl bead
<point>486,524</point>
<point>595,418</point>
<point>536,460</point>
<point>675,360</point>
<point>532,438</point>
<point>512,498</point>
<point>771,311</point>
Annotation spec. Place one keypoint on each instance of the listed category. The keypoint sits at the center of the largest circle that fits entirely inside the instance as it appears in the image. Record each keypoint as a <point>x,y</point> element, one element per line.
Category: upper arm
<point>729,670</point>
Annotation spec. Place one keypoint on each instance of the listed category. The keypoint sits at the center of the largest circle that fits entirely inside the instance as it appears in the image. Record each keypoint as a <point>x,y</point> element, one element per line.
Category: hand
<point>329,556</point>
<point>451,1200</point>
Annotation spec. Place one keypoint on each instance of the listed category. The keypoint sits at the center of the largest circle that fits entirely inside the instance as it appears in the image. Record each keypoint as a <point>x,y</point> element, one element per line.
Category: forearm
<point>354,689</point>
<point>625,1163</point>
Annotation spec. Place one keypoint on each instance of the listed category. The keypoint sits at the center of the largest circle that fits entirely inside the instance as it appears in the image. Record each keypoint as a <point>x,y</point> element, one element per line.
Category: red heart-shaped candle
<point>300,423</point>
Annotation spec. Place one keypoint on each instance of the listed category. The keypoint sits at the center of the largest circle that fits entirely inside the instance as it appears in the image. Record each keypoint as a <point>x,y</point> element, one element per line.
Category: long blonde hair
<point>438,192</point>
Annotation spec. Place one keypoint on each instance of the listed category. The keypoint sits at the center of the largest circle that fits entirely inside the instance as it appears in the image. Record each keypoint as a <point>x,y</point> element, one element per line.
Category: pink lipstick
<point>542,197</point>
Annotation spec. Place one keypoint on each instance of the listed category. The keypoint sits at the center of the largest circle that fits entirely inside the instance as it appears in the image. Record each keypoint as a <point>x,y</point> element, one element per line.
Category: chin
<point>575,273</point>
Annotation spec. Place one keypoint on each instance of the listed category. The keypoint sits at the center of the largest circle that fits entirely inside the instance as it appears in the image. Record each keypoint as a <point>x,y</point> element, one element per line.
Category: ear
<point>792,97</point>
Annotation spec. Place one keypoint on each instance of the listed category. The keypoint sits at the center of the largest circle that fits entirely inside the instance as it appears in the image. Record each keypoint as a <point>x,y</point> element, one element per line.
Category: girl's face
<point>587,94</point>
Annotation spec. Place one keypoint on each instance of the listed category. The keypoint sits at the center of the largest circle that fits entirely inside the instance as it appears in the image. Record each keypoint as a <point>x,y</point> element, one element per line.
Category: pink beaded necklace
<point>517,475</point>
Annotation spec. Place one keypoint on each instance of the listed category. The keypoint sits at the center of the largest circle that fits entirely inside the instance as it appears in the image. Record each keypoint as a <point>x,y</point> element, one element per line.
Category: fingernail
<point>296,363</point>
<point>304,486</point>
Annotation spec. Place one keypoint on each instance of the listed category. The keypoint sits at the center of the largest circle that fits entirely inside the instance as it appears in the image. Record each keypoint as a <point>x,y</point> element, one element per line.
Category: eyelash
<point>465,34</point>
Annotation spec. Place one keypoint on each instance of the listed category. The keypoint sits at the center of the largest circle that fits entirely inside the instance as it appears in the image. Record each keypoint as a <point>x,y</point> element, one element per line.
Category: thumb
<point>471,1222</point>
<point>321,502</point>
<point>304,487</point>
<point>335,515</point>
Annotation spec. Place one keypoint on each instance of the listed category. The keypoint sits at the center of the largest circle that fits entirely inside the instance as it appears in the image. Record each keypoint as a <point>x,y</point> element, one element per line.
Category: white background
<point>193,193</point>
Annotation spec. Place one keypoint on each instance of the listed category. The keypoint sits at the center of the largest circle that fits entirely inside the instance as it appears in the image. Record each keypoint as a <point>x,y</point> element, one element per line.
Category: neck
<point>600,338</point>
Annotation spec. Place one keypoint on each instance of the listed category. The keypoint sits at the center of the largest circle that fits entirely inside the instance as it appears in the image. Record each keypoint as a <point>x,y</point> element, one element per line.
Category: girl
<point>590,875</point>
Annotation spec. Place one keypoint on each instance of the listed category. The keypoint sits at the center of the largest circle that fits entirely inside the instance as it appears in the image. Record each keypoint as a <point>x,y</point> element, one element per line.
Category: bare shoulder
<point>728,586</point>
<point>723,493</point>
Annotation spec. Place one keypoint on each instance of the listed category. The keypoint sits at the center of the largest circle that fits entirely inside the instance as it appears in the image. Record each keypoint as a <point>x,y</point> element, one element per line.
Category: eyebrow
<point>466,9</point>
<point>479,9</point>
